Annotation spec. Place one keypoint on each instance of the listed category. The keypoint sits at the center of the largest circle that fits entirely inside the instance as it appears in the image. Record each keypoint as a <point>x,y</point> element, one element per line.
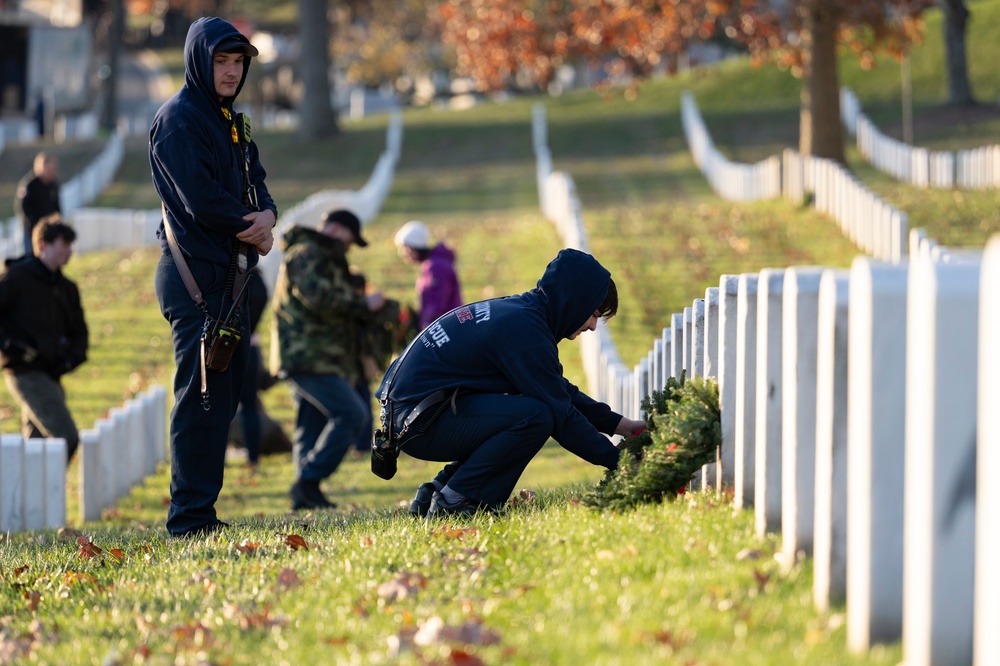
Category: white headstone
<point>744,428</point>
<point>876,391</point>
<point>11,483</point>
<point>800,321</point>
<point>726,371</point>
<point>108,436</point>
<point>767,442</point>
<point>940,492</point>
<point>986,643</point>
<point>711,357</point>
<point>677,347</point>
<point>697,338</point>
<point>830,524</point>
<point>34,484</point>
<point>55,482</point>
<point>91,485</point>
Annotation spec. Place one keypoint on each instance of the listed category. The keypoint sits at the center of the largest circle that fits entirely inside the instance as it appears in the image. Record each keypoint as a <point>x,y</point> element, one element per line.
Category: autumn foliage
<point>523,42</point>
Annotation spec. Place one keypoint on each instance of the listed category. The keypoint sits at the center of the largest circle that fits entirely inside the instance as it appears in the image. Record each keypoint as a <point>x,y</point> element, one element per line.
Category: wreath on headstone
<point>683,433</point>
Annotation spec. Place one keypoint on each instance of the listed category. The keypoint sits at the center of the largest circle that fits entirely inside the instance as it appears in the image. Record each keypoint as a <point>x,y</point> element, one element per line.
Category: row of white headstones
<point>857,411</point>
<point>120,451</point>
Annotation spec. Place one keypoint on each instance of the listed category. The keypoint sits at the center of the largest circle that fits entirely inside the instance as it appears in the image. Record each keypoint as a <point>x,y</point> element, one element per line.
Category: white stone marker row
<point>32,483</point>
<point>121,450</point>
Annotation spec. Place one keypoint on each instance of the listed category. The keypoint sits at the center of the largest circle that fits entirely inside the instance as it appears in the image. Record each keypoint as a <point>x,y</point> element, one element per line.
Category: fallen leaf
<point>20,570</point>
<point>463,658</point>
<point>467,633</point>
<point>74,577</point>
<point>605,555</point>
<point>401,587</point>
<point>295,542</point>
<point>761,578</point>
<point>33,599</point>
<point>247,547</point>
<point>289,579</point>
<point>749,554</point>
<point>68,534</point>
<point>87,548</point>
<point>117,554</point>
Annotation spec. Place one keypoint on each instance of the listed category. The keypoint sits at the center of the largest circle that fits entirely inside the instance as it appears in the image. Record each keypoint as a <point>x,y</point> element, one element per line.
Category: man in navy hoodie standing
<point>486,381</point>
<point>217,208</point>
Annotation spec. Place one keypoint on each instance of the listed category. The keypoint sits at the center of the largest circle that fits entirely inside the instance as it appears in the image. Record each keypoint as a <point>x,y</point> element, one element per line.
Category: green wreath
<point>683,433</point>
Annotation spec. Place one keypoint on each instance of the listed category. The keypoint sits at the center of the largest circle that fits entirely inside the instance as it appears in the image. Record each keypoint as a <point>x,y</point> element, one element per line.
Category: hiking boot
<point>441,507</point>
<point>307,495</point>
<point>421,503</point>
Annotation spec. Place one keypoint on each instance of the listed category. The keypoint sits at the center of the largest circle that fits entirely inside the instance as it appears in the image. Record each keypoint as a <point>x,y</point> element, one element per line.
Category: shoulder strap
<point>386,387</point>
<point>182,267</point>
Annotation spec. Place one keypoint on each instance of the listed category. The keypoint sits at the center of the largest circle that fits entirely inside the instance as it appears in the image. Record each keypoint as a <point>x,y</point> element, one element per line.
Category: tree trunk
<point>820,130</point>
<point>956,17</point>
<point>317,117</point>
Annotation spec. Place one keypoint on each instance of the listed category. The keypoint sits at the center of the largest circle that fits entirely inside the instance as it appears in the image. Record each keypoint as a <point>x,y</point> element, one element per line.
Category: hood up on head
<point>573,286</point>
<point>204,38</point>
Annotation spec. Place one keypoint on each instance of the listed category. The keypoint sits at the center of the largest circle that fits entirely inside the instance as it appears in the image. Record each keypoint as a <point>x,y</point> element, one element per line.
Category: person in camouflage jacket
<point>317,318</point>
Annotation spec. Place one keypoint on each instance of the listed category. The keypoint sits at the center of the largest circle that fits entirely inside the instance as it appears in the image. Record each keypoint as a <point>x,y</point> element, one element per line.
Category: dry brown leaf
<point>68,534</point>
<point>289,579</point>
<point>247,547</point>
<point>468,633</point>
<point>87,548</point>
<point>401,587</point>
<point>117,554</point>
<point>20,570</point>
<point>295,542</point>
<point>33,598</point>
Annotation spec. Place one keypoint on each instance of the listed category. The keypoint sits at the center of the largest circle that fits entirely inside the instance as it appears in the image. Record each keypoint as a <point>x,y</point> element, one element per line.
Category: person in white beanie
<point>438,289</point>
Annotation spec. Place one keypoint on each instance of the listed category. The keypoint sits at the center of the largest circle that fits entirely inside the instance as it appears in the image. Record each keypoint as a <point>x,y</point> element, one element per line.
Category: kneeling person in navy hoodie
<point>482,388</point>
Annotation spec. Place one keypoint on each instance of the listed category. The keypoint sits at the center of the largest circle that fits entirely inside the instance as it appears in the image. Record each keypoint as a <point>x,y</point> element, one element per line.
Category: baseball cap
<point>413,234</point>
<point>237,44</point>
<point>349,220</point>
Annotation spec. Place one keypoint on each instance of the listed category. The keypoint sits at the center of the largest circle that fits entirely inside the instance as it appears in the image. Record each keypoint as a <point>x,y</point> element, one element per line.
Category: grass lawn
<point>547,581</point>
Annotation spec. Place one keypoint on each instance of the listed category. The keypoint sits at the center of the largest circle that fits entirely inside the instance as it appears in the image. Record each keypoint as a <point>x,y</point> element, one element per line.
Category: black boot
<point>422,500</point>
<point>307,495</point>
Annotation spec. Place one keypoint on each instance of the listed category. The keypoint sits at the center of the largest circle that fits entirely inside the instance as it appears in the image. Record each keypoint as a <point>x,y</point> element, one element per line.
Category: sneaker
<point>421,503</point>
<point>441,507</point>
<point>307,495</point>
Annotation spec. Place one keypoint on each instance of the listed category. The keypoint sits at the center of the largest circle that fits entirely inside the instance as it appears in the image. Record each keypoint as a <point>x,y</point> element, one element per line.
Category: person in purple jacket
<point>482,389</point>
<point>438,290</point>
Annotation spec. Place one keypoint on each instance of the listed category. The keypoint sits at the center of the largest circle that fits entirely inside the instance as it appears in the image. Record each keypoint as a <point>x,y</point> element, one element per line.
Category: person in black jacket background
<point>211,183</point>
<point>37,196</point>
<point>491,371</point>
<point>43,333</point>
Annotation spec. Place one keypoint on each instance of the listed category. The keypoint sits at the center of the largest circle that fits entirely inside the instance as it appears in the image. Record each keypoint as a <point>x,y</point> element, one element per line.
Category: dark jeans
<point>328,416</point>
<point>198,437</point>
<point>492,438</point>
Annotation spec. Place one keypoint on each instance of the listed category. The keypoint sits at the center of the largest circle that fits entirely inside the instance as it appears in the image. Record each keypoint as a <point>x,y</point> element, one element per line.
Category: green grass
<point>550,581</point>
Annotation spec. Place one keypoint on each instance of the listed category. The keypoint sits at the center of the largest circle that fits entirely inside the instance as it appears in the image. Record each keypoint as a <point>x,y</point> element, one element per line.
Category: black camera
<point>384,455</point>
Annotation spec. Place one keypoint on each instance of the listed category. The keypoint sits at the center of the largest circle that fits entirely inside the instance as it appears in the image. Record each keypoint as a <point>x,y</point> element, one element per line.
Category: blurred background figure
<point>37,195</point>
<point>438,290</point>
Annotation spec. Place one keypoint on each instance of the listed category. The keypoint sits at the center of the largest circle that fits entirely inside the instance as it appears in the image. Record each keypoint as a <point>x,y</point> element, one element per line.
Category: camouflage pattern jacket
<point>317,314</point>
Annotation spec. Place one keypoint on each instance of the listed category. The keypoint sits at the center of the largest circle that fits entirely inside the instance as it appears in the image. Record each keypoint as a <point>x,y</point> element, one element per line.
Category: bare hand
<point>259,233</point>
<point>629,427</point>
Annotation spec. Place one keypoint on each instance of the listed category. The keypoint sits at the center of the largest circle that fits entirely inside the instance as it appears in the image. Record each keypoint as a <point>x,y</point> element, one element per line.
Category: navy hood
<point>572,288</point>
<point>203,37</point>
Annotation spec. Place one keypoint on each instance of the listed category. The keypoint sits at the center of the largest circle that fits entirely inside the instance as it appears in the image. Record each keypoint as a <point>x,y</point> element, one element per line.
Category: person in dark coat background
<point>438,289</point>
<point>37,196</point>
<point>491,371</point>
<point>43,333</point>
<point>206,177</point>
